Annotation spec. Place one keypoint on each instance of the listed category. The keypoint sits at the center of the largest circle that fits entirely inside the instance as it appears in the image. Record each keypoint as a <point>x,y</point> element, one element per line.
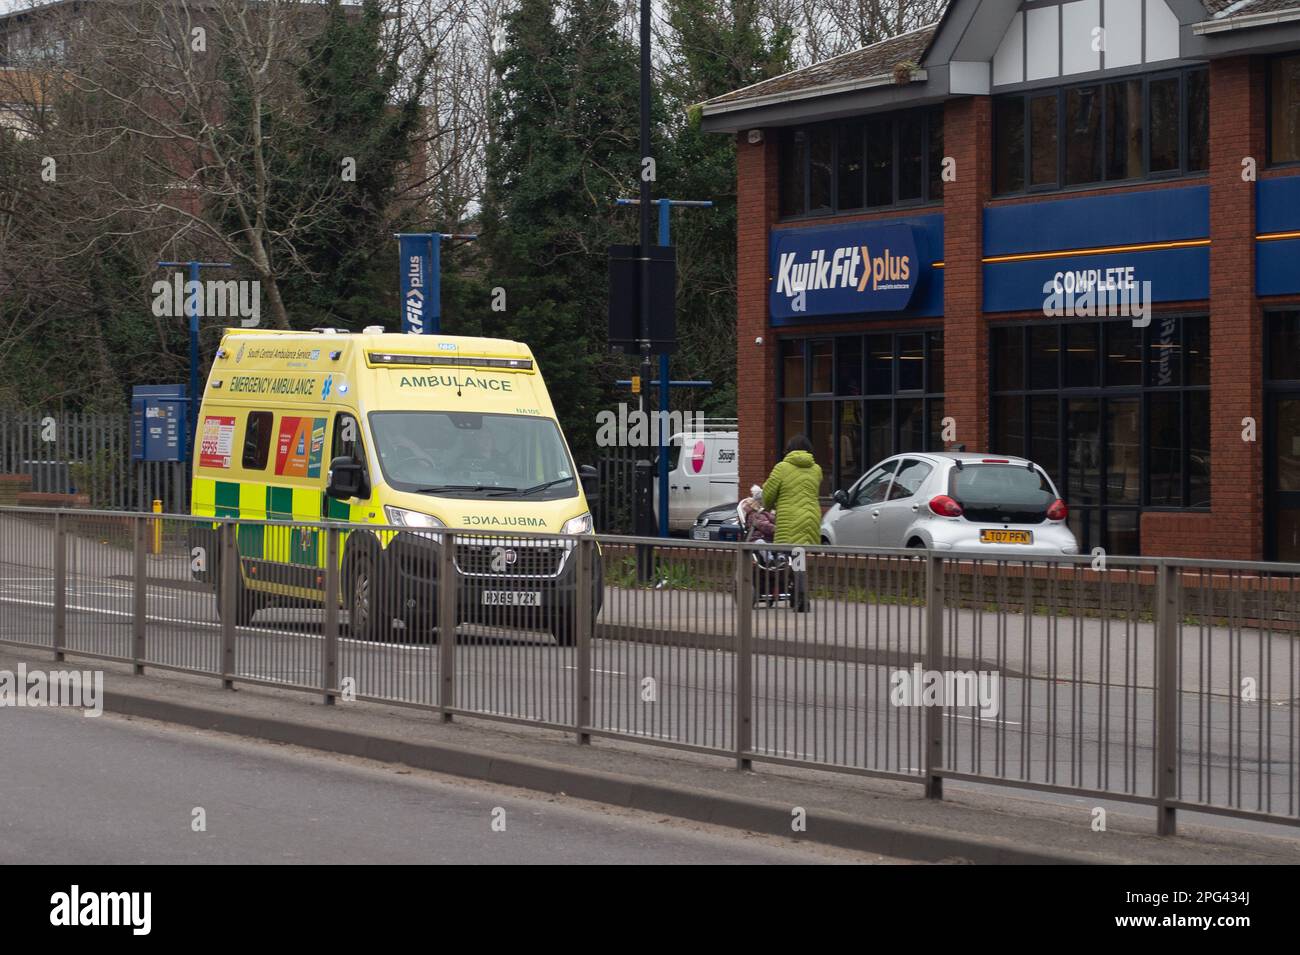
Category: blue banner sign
<point>1277,222</point>
<point>860,267</point>
<point>1098,256</point>
<point>1135,278</point>
<point>418,270</point>
<point>1091,222</point>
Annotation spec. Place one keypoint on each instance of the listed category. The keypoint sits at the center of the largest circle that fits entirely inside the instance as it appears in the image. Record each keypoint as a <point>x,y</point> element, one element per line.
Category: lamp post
<point>193,310</point>
<point>664,383</point>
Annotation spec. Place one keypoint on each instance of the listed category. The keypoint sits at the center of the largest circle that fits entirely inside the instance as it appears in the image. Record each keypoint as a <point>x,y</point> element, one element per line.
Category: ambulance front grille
<point>510,558</point>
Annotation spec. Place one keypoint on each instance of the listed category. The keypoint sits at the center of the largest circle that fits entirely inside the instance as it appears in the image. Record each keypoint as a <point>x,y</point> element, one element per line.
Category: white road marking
<point>984,719</point>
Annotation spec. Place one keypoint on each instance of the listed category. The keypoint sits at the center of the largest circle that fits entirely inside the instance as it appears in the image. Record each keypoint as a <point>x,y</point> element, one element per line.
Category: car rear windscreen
<point>1002,493</point>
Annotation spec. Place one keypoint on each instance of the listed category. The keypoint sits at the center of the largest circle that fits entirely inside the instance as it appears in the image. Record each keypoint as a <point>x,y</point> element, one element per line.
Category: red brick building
<point>1068,229</point>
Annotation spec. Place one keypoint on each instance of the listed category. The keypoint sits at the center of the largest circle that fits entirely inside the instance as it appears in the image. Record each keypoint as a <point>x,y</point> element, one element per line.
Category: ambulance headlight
<point>401,517</point>
<point>578,525</point>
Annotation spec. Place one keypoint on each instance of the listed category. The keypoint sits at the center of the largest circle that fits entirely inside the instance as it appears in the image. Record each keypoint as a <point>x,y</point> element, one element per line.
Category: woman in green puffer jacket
<point>792,490</point>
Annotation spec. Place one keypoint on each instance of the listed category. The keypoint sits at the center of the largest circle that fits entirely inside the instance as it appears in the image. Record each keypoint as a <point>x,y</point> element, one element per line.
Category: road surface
<point>102,790</point>
<point>1075,708</point>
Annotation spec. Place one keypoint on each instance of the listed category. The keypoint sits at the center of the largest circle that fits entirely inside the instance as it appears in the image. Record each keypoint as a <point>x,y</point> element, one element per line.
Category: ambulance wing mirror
<point>590,479</point>
<point>347,478</point>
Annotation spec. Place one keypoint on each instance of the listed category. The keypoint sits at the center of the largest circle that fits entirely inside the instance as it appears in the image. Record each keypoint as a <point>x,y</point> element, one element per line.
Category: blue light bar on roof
<point>461,361</point>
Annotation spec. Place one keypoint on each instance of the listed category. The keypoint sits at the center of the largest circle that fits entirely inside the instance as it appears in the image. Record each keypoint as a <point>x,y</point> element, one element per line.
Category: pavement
<point>881,817</point>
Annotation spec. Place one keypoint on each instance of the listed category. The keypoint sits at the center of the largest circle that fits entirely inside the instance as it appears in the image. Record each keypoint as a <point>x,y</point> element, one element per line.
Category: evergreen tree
<point>563,147</point>
<point>714,48</point>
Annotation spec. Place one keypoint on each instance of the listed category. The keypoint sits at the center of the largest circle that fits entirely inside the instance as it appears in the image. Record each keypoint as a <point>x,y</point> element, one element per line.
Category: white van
<point>702,473</point>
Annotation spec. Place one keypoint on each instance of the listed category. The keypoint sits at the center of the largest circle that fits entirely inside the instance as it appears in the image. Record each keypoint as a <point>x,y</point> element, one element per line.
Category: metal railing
<point>85,454</point>
<point>1170,683</point>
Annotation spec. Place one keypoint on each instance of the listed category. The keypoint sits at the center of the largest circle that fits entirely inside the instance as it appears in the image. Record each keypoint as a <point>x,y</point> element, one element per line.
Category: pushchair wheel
<point>771,578</point>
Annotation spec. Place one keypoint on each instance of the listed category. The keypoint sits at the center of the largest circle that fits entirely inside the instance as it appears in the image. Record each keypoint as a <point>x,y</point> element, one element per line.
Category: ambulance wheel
<point>564,627</point>
<point>369,611</point>
<point>421,625</point>
<point>247,603</point>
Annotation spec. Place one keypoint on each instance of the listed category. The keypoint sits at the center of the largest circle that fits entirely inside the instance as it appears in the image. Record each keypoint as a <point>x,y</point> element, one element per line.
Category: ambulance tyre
<point>368,609</point>
<point>564,626</point>
<point>420,623</point>
<point>247,602</point>
<point>564,622</point>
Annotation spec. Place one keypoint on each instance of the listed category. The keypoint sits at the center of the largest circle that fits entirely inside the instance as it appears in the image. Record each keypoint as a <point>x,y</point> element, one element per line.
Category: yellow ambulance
<point>408,432</point>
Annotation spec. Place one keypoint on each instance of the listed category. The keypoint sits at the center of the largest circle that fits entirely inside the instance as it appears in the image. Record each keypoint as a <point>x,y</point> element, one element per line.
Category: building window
<point>1083,152</point>
<point>1117,415</point>
<point>821,169</point>
<point>1284,109</point>
<point>794,170</point>
<point>1125,140</point>
<point>880,162</point>
<point>1198,120</point>
<point>1154,126</point>
<point>1043,128</point>
<point>850,165</point>
<point>1009,134</point>
<point>861,398</point>
<point>1282,434</point>
<point>1284,347</point>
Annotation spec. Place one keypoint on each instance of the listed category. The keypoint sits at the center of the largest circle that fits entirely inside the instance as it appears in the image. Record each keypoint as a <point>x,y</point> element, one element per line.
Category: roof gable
<point>967,52</point>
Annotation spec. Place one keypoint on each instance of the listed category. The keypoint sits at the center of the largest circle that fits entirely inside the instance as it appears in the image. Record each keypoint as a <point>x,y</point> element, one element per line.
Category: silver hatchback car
<point>953,500</point>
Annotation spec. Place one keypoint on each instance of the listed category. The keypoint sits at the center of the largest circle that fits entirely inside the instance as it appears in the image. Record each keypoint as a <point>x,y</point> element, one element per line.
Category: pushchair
<point>773,580</point>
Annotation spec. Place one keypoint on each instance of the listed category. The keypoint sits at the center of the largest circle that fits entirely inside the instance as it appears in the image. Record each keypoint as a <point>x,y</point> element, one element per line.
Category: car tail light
<point>995,461</point>
<point>1058,511</point>
<point>945,506</point>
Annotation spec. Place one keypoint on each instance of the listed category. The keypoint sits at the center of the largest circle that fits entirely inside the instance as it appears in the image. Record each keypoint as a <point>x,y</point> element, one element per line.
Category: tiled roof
<point>861,64</point>
<point>1220,9</point>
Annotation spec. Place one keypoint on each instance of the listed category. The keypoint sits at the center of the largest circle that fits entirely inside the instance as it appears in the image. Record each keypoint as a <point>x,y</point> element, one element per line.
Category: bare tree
<point>460,87</point>
<point>827,29</point>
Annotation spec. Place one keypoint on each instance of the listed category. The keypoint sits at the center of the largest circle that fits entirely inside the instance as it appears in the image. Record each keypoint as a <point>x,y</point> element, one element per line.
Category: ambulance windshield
<point>473,455</point>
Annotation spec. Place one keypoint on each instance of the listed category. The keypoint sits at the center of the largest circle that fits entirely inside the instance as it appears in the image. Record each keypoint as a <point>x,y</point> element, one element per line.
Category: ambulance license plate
<point>998,536</point>
<point>512,598</point>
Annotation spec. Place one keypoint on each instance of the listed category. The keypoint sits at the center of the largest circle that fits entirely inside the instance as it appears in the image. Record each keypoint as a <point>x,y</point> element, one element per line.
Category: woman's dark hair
<point>798,443</point>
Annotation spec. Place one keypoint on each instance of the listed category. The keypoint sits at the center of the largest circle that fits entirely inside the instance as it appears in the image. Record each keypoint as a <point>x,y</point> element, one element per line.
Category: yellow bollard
<point>157,529</point>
